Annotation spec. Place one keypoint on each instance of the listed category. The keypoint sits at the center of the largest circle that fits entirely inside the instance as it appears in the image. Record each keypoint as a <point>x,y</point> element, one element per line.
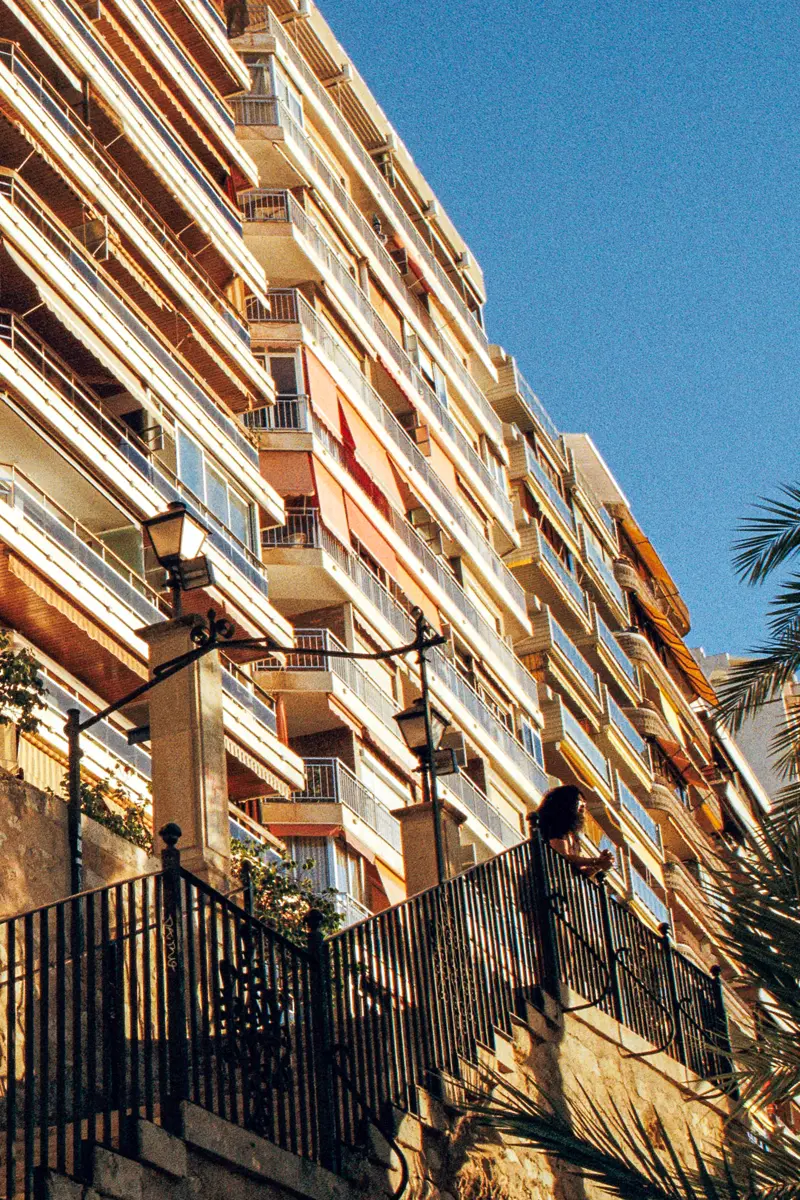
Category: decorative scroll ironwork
<point>255,1030</point>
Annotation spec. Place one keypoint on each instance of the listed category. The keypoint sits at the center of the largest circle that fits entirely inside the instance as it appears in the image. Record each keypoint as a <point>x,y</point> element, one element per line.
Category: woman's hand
<point>605,860</point>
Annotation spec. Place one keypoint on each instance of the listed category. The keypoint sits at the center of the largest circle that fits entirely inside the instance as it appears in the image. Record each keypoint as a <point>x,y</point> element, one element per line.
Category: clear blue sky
<point>627,175</point>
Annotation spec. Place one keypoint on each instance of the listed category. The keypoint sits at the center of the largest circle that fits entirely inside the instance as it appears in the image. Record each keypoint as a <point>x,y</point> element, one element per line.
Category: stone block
<point>50,1185</point>
<point>116,1176</point>
<point>161,1149</point>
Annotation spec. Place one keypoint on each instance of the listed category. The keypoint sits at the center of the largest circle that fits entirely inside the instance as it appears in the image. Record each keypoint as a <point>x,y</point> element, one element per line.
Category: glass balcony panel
<point>569,582</point>
<point>535,468</point>
<point>624,726</point>
<point>615,650</point>
<point>646,896</point>
<point>571,652</point>
<point>247,693</point>
<point>479,805</point>
<point>60,700</point>
<point>537,410</point>
<point>585,744</point>
<point>604,570</point>
<point>640,814</point>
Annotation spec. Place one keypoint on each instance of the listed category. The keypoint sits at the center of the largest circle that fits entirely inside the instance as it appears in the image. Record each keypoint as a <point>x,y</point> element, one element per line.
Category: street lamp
<point>177,538</point>
<point>422,727</point>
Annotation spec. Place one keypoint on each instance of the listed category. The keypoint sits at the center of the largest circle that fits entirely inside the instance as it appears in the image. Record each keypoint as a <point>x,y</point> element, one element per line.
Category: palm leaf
<point>769,539</point>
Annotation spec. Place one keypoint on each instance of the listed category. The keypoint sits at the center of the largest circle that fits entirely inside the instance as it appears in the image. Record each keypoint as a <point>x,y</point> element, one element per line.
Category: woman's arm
<point>587,866</point>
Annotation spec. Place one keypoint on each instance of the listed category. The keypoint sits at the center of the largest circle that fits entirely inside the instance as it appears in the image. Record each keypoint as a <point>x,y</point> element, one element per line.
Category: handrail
<point>84,402</point>
<point>292,213</point>
<point>376,180</point>
<point>330,780</point>
<point>26,200</point>
<point>475,541</point>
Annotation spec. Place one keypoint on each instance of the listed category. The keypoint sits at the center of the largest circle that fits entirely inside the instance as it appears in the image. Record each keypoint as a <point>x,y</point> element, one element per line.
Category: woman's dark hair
<point>558,813</point>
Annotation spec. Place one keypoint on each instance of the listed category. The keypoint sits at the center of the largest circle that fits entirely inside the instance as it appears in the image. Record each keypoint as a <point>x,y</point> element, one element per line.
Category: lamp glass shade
<point>175,535</point>
<point>412,726</point>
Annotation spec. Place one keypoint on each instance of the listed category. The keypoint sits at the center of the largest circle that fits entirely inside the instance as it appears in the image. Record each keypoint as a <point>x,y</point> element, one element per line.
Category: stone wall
<point>34,849</point>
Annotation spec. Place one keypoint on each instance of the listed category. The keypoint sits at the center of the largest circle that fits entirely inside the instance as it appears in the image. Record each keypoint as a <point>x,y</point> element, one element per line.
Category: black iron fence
<point>123,1002</point>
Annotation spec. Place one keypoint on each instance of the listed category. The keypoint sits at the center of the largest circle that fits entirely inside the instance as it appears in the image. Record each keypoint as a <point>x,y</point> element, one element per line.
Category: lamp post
<point>423,728</point>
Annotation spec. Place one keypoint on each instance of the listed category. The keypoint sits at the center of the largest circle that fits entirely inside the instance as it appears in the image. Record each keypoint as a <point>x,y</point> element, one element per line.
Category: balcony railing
<point>247,693</point>
<point>639,813</point>
<point>288,412</point>
<point>410,235</point>
<point>570,651</point>
<point>349,672</point>
<point>474,540</point>
<point>615,650</point>
<point>306,526</point>
<point>479,805</point>
<point>19,492</point>
<point>59,699</point>
<point>282,207</point>
<point>328,780</point>
<point>604,570</point>
<point>584,743</point>
<point>535,468</point>
<point>24,70</point>
<point>621,723</point>
<point>88,406</point>
<point>641,889</point>
<point>25,200</point>
<point>537,410</point>
<point>568,581</point>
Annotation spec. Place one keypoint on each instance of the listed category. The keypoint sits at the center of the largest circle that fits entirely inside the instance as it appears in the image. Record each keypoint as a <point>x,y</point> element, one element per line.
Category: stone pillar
<point>190,783</point>
<point>9,747</point>
<point>419,846</point>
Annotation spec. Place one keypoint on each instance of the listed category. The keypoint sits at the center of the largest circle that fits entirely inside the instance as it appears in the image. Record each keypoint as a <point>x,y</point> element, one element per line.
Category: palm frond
<point>770,539</point>
<point>758,680</point>
<point>605,1145</point>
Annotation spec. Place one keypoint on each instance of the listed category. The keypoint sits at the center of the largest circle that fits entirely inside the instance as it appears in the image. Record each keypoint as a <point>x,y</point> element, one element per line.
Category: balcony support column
<point>190,786</point>
<point>419,844</point>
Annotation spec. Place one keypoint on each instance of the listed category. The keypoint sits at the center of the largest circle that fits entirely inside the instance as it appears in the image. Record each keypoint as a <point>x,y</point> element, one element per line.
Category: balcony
<point>304,529</point>
<point>516,403</point>
<point>639,649</point>
<point>601,573</point>
<point>55,395</point>
<point>523,463</point>
<point>75,273</point>
<point>330,781</point>
<point>638,814</point>
<point>478,805</point>
<point>153,139</point>
<point>52,117</point>
<point>76,559</point>
<point>624,740</point>
<point>263,209</point>
<point>653,906</point>
<point>681,836</point>
<point>606,651</point>
<point>249,714</point>
<point>542,573</point>
<point>564,661</point>
<point>371,177</point>
<point>575,744</point>
<point>293,307</point>
<point>630,580</point>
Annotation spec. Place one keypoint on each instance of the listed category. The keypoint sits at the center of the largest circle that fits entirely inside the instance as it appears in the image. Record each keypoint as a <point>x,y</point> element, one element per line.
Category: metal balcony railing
<point>288,412</point>
<point>604,570</point>
<point>573,655</point>
<point>89,407</point>
<point>537,410</point>
<point>24,70</point>
<point>474,540</point>
<point>297,535</point>
<point>639,813</point>
<point>25,201</point>
<point>476,802</point>
<point>19,492</point>
<point>355,677</point>
<point>328,780</point>
<point>410,235</point>
<point>282,207</point>
<point>247,693</point>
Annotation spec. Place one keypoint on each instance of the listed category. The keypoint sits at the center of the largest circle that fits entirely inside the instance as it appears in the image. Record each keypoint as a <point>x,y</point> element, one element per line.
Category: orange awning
<point>367,534</point>
<point>330,498</point>
<point>289,472</point>
<point>323,394</point>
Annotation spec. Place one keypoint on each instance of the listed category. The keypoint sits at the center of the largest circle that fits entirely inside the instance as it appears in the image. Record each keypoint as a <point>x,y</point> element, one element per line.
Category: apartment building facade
<point>225,282</point>
<point>418,467</point>
<point>125,359</point>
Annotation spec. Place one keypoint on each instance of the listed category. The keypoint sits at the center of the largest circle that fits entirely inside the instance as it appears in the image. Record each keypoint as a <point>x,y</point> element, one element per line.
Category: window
<point>283,370</point>
<point>532,741</point>
<point>212,487</point>
<point>286,92</point>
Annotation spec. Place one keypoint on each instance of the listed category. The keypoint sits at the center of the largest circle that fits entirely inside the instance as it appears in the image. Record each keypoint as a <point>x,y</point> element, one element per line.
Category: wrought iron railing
<point>127,1001</point>
<point>328,780</point>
